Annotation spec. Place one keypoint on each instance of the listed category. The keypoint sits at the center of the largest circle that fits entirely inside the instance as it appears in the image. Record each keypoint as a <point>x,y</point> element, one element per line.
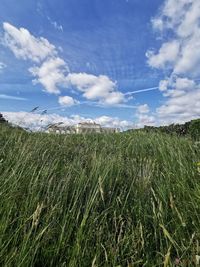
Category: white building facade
<point>81,128</point>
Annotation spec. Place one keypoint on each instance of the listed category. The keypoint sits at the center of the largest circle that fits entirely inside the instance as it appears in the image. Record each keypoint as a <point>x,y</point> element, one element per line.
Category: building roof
<point>89,123</point>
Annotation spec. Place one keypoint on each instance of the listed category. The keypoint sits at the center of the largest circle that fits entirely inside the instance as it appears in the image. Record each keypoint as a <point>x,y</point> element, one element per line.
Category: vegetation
<point>190,129</point>
<point>2,120</point>
<point>127,199</point>
<point>194,129</point>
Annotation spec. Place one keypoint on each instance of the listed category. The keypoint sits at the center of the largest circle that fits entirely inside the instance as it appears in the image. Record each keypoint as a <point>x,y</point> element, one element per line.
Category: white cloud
<point>67,101</point>
<point>163,85</point>
<point>172,14</point>
<point>180,108</point>
<point>107,121</point>
<point>52,71</point>
<point>178,23</point>
<point>167,55</point>
<point>189,60</point>
<point>96,87</point>
<point>143,109</point>
<point>190,22</point>
<point>157,24</point>
<point>184,84</point>
<point>113,98</point>
<point>176,86</point>
<point>182,101</point>
<point>36,121</point>
<point>181,18</point>
<point>26,46</point>
<point>144,117</point>
<point>51,74</point>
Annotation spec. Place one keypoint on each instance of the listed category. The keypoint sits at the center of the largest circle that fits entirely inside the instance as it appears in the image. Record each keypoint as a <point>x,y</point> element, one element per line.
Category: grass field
<point>128,199</point>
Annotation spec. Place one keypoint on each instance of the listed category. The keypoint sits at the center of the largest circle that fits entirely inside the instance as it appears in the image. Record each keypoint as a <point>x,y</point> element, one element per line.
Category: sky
<point>121,63</point>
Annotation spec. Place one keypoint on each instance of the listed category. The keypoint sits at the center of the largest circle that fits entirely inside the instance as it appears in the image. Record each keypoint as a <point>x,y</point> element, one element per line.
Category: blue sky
<point>100,50</point>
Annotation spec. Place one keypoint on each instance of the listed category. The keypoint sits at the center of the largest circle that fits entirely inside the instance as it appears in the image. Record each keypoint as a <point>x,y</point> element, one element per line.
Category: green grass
<point>129,199</point>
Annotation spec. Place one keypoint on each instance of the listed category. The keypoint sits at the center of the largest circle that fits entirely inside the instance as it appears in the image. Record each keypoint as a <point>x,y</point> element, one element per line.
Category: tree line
<point>190,128</point>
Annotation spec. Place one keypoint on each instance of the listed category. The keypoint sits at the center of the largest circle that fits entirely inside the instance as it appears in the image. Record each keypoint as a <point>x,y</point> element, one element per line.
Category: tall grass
<point>130,199</point>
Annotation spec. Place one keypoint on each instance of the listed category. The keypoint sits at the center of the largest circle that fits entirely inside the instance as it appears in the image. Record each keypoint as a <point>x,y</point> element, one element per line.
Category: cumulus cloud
<point>181,108</point>
<point>178,22</point>
<point>26,46</point>
<point>53,73</point>
<point>50,70</point>
<point>145,119</point>
<point>183,101</point>
<point>37,122</point>
<point>144,116</point>
<point>180,19</point>
<point>96,87</point>
<point>143,108</point>
<point>175,85</point>
<point>172,13</point>
<point>67,101</point>
<point>107,121</point>
<point>163,85</point>
<point>166,56</point>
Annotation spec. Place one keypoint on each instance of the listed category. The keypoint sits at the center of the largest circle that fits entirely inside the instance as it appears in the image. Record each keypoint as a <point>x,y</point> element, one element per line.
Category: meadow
<point>121,200</point>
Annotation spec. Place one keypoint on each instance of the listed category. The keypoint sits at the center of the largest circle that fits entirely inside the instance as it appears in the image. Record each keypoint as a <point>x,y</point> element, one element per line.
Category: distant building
<point>61,129</point>
<point>110,130</point>
<point>88,127</point>
<point>81,128</point>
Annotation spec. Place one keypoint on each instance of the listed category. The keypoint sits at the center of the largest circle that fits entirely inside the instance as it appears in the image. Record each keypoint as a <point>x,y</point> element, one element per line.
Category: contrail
<point>12,97</point>
<point>49,109</point>
<point>142,90</point>
<point>149,89</point>
<point>90,103</point>
<point>101,105</point>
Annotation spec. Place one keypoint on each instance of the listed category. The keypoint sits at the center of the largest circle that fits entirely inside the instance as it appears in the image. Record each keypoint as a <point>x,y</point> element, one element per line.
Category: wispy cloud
<point>2,66</point>
<point>10,97</point>
<point>55,24</point>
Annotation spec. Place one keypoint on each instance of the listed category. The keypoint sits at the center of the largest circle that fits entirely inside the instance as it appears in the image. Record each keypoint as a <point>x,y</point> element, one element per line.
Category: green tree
<point>2,120</point>
<point>194,129</point>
